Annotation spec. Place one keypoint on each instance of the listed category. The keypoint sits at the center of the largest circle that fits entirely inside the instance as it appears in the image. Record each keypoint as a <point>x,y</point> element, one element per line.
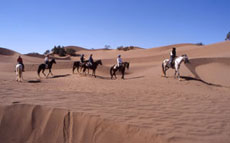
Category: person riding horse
<point>82,59</point>
<point>90,63</point>
<point>119,62</point>
<point>20,61</point>
<point>172,57</point>
<point>46,60</point>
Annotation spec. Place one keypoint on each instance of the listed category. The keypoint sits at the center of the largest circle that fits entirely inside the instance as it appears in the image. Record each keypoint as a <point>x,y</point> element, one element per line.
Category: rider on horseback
<point>20,61</point>
<point>90,63</point>
<point>46,60</point>
<point>119,62</point>
<point>172,57</point>
<point>82,59</point>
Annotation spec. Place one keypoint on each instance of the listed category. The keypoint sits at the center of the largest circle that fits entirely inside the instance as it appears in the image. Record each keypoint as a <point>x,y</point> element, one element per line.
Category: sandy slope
<point>143,108</point>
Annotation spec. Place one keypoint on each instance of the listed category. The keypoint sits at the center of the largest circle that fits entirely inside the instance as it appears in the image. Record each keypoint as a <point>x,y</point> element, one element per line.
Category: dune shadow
<point>34,81</point>
<point>58,76</point>
<point>200,80</point>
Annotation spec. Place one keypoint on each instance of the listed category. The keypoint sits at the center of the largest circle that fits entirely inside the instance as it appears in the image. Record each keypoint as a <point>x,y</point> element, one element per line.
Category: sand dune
<point>144,107</point>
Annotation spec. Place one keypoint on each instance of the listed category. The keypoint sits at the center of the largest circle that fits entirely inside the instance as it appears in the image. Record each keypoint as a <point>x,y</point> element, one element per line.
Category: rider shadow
<point>58,76</point>
<point>200,80</point>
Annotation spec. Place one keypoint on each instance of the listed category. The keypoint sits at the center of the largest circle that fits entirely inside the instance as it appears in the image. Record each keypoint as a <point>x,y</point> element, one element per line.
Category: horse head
<point>53,61</point>
<point>99,62</point>
<point>185,58</point>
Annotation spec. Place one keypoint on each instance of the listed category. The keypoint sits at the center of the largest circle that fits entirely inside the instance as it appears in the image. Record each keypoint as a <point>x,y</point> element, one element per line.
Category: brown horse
<point>78,65</point>
<point>92,67</point>
<point>122,68</point>
<point>43,67</point>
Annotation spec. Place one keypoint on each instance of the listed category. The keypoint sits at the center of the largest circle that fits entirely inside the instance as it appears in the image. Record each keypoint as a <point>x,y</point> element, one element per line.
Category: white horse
<point>177,62</point>
<point>19,72</point>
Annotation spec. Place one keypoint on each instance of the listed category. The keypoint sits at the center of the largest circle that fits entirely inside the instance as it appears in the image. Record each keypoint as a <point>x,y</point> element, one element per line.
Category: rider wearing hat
<point>172,56</point>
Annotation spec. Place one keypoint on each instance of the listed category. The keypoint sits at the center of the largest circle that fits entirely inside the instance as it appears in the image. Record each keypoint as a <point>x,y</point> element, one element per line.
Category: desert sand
<point>143,108</point>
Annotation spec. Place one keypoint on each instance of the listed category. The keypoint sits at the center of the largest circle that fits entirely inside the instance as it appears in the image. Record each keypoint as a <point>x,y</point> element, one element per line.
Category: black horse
<point>92,67</point>
<point>121,69</point>
<point>43,67</point>
<point>78,64</point>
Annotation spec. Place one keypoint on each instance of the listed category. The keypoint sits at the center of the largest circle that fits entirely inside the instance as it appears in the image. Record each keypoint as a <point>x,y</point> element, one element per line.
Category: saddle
<point>88,64</point>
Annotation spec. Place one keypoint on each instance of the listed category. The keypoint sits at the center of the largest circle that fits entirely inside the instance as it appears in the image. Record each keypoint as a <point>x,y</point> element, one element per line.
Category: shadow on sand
<point>34,81</point>
<point>200,80</point>
<point>58,76</point>
<point>136,77</point>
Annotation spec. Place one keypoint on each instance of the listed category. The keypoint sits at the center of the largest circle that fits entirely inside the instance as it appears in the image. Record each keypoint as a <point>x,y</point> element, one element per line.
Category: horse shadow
<point>102,77</point>
<point>188,78</point>
<point>136,77</point>
<point>59,76</point>
<point>34,81</point>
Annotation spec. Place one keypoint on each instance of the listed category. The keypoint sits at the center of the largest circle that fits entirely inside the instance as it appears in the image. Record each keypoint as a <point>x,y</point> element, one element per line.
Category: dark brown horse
<point>43,67</point>
<point>122,68</point>
<point>78,65</point>
<point>92,67</point>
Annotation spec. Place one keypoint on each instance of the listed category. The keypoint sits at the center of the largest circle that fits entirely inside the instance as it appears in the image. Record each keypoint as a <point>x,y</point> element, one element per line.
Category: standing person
<point>172,56</point>
<point>46,60</point>
<point>119,61</point>
<point>20,61</point>
<point>91,60</point>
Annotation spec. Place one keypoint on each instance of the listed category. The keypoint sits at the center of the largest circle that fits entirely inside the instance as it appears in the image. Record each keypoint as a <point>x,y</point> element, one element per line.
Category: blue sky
<point>37,25</point>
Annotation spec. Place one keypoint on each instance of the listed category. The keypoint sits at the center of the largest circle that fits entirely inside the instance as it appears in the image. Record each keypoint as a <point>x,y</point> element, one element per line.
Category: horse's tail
<point>74,67</point>
<point>163,68</point>
<point>111,71</point>
<point>39,70</point>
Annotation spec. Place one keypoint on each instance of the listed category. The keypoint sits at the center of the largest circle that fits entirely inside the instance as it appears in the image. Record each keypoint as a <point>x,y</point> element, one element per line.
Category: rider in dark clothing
<point>82,59</point>
<point>172,57</point>
<point>20,61</point>
<point>91,59</point>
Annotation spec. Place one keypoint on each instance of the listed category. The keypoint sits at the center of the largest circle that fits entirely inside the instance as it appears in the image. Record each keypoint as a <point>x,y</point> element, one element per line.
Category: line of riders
<point>90,61</point>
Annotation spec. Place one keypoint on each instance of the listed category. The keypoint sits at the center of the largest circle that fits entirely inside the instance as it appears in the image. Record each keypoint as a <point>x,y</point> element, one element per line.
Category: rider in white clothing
<point>119,61</point>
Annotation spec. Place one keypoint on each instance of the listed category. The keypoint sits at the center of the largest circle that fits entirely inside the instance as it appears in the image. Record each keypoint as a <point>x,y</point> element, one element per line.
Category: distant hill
<point>35,55</point>
<point>4,51</point>
<point>76,48</point>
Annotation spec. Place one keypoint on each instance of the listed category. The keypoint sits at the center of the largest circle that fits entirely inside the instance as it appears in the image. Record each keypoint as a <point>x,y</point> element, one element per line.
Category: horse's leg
<point>17,74</point>
<point>123,73</point>
<point>50,72</point>
<point>20,75</point>
<point>178,75</point>
<point>43,71</point>
<point>94,73</point>
<point>73,69</point>
<point>115,75</point>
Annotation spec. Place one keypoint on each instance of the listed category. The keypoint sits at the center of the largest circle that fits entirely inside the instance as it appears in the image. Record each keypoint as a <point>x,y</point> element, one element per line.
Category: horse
<point>78,64</point>
<point>92,67</point>
<point>121,69</point>
<point>176,66</point>
<point>43,67</point>
<point>19,72</point>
